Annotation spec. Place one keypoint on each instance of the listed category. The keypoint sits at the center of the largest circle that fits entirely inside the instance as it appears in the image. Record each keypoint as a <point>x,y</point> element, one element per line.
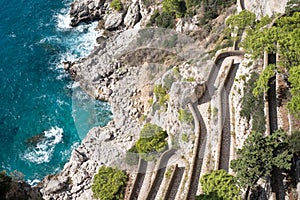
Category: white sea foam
<point>43,150</point>
<point>33,182</point>
<point>64,20</point>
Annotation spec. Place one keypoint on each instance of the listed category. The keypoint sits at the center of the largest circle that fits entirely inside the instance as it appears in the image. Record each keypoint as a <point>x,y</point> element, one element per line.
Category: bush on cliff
<point>249,102</point>
<point>259,156</point>
<point>151,142</point>
<point>117,5</point>
<point>109,184</point>
<point>219,185</point>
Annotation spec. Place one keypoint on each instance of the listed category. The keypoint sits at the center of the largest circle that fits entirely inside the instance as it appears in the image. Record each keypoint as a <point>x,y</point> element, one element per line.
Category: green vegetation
<point>109,184</point>
<point>292,6</point>
<point>185,116</point>
<point>117,5</point>
<point>212,9</point>
<point>174,6</point>
<point>214,111</point>
<point>219,185</point>
<point>248,102</point>
<point>132,156</point>
<point>176,72</point>
<point>161,94</point>
<point>261,85</point>
<point>259,156</point>
<point>151,142</point>
<point>162,19</point>
<point>294,79</point>
<point>183,8</point>
<point>190,79</point>
<point>283,38</point>
<point>237,23</point>
<point>295,141</point>
<point>169,172</point>
<point>184,137</point>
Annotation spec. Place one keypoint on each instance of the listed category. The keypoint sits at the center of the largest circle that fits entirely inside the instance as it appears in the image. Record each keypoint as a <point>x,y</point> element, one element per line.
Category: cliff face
<point>263,7</point>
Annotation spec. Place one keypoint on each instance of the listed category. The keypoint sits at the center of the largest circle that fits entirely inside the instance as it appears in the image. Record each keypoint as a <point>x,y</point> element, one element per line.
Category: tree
<point>219,185</point>
<point>244,20</point>
<point>174,6</point>
<point>261,85</point>
<point>151,142</point>
<point>257,116</point>
<point>109,184</point>
<point>259,156</point>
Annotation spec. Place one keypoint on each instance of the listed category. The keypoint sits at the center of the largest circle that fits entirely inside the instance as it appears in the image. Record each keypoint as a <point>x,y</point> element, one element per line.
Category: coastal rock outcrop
<point>113,20</point>
<point>133,15</point>
<point>86,11</point>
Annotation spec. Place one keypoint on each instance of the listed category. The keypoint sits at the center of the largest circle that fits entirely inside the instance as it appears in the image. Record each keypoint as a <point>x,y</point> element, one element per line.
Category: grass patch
<point>185,116</point>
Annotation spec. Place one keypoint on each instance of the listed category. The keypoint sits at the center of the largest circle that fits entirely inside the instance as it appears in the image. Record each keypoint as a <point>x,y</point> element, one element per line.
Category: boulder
<point>133,15</point>
<point>186,92</point>
<point>85,11</point>
<point>54,186</point>
<point>113,20</point>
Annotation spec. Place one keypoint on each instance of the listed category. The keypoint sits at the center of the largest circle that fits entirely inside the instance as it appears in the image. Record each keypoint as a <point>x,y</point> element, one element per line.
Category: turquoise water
<point>37,97</point>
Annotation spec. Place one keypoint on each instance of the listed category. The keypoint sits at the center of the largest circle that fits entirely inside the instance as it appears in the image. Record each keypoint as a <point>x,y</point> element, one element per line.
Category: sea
<point>43,113</point>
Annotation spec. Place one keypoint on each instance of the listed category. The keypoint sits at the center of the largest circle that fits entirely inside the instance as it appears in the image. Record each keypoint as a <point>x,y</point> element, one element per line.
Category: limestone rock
<point>85,11</point>
<point>53,186</point>
<point>265,7</point>
<point>133,15</point>
<point>113,20</point>
<point>186,92</point>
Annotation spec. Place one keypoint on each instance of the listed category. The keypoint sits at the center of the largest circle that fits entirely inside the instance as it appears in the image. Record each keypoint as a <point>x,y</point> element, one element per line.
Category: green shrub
<point>161,94</point>
<point>249,102</point>
<point>219,185</point>
<point>184,137</point>
<point>151,142</point>
<point>174,6</point>
<point>163,19</point>
<point>185,116</point>
<point>117,5</point>
<point>294,79</point>
<point>176,72</point>
<point>132,156</point>
<point>109,184</point>
<point>169,172</point>
<point>262,83</point>
<point>190,79</point>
